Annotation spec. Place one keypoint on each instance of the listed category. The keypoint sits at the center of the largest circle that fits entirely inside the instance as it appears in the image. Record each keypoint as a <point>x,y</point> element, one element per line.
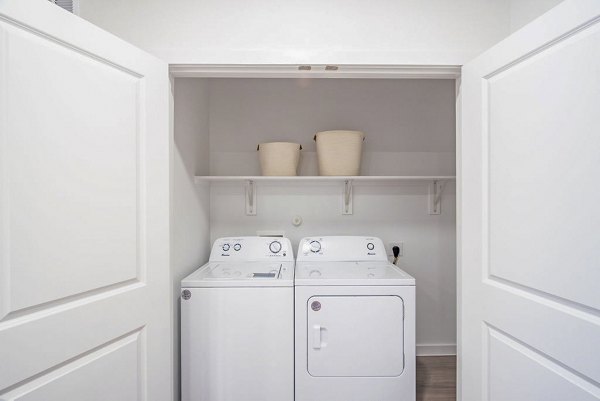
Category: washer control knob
<point>275,246</point>
<point>226,247</point>
<point>237,247</point>
<point>370,246</point>
<point>315,246</point>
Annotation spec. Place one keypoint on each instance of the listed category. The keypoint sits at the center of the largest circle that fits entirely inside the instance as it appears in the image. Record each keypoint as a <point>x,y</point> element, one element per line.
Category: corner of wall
<point>190,241</point>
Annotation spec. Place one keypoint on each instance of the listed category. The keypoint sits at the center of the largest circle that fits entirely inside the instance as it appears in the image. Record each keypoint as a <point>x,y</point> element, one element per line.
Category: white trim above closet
<point>314,71</point>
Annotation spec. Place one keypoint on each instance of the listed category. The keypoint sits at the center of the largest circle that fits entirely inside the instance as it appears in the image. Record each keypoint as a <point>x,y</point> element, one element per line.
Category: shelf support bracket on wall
<point>436,188</point>
<point>347,199</point>
<point>250,198</point>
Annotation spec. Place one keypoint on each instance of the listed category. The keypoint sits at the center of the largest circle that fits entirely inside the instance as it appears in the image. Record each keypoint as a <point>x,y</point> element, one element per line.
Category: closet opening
<point>409,120</point>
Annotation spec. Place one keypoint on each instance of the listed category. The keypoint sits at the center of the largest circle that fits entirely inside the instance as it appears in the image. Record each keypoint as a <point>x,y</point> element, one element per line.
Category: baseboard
<point>436,349</point>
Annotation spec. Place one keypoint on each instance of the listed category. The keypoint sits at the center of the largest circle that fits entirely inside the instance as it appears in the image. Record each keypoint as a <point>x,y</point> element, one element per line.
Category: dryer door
<point>353,336</point>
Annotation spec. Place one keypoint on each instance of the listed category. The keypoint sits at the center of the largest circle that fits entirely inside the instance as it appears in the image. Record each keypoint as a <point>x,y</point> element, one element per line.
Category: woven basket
<point>279,158</point>
<point>339,152</point>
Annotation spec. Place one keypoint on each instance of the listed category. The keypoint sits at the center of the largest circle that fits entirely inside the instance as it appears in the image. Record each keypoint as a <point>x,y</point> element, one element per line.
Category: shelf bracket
<point>436,188</point>
<point>250,198</point>
<point>347,199</point>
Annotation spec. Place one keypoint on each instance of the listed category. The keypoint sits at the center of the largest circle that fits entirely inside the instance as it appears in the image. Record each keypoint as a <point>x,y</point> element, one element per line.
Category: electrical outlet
<point>391,245</point>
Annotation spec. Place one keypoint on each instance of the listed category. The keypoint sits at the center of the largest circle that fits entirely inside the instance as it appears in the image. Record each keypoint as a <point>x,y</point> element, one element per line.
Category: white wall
<point>410,129</point>
<point>525,11</point>
<point>308,31</point>
<point>393,213</point>
<point>190,204</point>
<point>409,124</point>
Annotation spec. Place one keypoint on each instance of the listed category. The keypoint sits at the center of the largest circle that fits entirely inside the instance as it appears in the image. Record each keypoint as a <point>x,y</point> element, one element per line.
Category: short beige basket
<point>279,158</point>
<point>339,152</point>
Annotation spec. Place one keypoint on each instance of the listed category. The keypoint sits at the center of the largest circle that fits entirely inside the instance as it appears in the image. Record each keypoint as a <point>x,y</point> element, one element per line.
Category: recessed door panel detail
<point>509,361</point>
<point>355,336</point>
<point>111,372</point>
<point>552,143</point>
<point>71,181</point>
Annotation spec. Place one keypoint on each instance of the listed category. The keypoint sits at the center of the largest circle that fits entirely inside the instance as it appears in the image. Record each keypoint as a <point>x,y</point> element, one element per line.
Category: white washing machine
<point>355,322</point>
<point>237,323</point>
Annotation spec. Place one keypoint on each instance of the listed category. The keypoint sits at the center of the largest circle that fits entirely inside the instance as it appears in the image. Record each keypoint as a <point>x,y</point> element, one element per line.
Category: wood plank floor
<point>436,378</point>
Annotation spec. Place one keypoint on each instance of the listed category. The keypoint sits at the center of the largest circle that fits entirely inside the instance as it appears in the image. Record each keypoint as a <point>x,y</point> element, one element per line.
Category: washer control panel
<point>252,249</point>
<point>341,248</point>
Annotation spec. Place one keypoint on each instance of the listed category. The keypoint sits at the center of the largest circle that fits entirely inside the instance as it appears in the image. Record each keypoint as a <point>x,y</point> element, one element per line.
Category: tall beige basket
<point>339,152</point>
<point>279,158</point>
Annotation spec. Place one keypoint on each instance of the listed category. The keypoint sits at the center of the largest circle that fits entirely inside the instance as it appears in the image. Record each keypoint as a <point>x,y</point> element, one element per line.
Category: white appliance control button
<point>315,246</point>
<point>237,247</point>
<point>370,246</point>
<point>226,247</point>
<point>275,246</point>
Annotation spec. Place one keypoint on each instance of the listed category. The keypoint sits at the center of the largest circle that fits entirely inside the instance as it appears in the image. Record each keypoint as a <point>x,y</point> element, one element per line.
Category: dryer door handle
<point>316,336</point>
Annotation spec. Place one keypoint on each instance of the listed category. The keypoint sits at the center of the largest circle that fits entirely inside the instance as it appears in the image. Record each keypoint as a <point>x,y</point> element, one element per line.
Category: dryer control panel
<point>341,249</point>
<point>252,249</point>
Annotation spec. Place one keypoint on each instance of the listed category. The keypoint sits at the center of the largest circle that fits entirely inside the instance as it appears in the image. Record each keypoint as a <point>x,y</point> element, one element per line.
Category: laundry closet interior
<point>128,158</point>
<point>406,193</point>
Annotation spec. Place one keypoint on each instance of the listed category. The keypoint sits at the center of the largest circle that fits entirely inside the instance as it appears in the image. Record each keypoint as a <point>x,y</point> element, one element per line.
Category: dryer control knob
<point>226,247</point>
<point>315,246</point>
<point>370,246</point>
<point>275,246</point>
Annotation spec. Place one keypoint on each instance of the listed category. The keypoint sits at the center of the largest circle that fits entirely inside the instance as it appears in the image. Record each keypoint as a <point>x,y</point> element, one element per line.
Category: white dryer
<point>237,323</point>
<point>355,322</point>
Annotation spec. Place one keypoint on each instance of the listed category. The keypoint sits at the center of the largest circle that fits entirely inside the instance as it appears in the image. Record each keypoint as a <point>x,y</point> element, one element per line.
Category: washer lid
<point>242,274</point>
<point>351,273</point>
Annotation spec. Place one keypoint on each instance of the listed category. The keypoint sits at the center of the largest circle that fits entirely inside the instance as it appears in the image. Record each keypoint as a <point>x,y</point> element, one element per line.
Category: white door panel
<point>520,373</point>
<point>547,326</point>
<point>542,157</point>
<point>530,308</point>
<point>111,373</point>
<point>84,230</point>
<point>54,341</point>
<point>72,173</point>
